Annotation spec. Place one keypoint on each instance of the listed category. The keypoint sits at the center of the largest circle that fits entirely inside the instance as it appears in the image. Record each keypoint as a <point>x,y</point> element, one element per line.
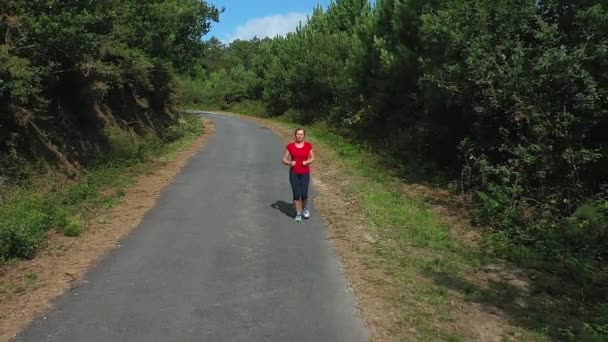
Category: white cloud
<point>270,26</point>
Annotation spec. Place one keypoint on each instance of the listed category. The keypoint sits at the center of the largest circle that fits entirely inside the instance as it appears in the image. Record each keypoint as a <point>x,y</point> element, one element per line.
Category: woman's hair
<point>299,129</point>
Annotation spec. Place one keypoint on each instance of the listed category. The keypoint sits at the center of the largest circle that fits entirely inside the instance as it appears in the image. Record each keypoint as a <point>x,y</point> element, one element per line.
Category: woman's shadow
<point>285,208</point>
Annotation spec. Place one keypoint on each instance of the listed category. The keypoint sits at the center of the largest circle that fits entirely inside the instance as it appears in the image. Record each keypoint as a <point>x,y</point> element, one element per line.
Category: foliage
<point>70,69</point>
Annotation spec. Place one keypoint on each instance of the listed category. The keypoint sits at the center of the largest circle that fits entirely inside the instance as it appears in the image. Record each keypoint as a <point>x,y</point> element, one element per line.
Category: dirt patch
<point>27,288</point>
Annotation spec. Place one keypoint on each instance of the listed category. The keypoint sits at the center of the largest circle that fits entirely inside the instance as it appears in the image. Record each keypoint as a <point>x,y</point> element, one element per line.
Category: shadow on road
<point>284,207</point>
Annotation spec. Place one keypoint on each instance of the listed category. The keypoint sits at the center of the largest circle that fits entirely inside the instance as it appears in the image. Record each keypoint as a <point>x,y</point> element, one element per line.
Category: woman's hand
<point>293,163</point>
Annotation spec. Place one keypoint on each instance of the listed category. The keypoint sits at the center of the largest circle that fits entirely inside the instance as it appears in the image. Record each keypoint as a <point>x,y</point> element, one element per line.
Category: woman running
<point>299,155</point>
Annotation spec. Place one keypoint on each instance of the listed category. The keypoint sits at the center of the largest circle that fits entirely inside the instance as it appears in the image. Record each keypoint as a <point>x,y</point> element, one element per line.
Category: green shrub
<point>22,226</point>
<point>187,125</point>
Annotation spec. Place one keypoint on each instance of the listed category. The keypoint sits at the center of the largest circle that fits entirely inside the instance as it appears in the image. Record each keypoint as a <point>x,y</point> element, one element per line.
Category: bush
<point>22,226</point>
<point>188,125</point>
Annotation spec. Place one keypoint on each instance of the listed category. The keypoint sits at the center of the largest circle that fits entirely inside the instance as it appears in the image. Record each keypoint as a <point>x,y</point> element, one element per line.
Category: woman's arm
<point>287,159</point>
<point>311,158</point>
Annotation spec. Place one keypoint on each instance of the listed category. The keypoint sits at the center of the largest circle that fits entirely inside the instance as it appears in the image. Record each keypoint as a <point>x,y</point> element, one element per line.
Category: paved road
<point>217,259</point>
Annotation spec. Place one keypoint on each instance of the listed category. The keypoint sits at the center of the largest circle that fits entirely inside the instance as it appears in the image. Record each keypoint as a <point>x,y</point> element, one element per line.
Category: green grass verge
<point>29,211</point>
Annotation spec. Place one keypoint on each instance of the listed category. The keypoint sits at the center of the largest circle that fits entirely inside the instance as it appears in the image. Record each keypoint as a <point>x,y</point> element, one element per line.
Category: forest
<point>70,68</point>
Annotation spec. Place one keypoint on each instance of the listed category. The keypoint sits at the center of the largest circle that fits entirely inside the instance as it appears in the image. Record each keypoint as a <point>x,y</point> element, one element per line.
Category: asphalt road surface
<point>219,258</point>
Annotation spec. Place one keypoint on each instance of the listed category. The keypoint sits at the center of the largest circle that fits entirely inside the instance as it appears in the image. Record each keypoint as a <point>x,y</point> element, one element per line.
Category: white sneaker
<point>306,214</point>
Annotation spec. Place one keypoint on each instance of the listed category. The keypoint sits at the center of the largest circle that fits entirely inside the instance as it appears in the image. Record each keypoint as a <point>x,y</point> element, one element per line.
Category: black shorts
<point>299,185</point>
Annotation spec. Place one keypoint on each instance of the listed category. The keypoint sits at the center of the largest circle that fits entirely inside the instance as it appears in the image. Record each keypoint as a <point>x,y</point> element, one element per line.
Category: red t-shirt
<point>299,155</point>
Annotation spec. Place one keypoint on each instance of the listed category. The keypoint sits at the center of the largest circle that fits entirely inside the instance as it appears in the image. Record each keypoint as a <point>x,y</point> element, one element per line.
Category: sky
<point>245,19</point>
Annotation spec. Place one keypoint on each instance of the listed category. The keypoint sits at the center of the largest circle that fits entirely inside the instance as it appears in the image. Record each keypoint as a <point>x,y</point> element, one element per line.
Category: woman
<point>298,156</point>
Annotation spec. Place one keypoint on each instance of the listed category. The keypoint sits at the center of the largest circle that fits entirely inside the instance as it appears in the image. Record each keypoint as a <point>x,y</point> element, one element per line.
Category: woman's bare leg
<point>298,205</point>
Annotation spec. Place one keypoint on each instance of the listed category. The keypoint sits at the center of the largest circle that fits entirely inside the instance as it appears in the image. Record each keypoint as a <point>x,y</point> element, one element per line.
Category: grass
<point>47,202</point>
<point>27,283</point>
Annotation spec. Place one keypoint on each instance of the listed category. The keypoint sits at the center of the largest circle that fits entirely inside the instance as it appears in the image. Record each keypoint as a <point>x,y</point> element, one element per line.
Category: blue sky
<point>244,19</point>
